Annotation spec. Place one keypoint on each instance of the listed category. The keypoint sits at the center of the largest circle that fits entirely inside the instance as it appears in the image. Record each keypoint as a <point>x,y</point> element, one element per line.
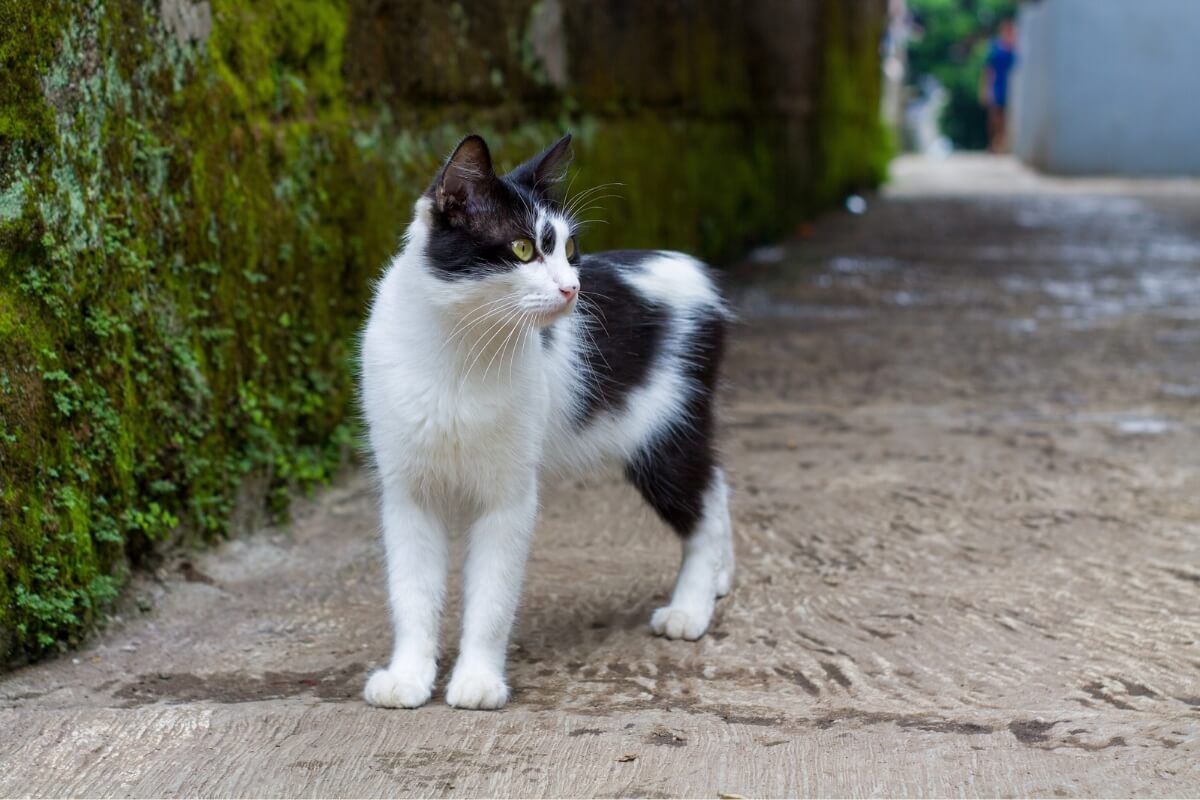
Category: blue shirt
<point>1001,59</point>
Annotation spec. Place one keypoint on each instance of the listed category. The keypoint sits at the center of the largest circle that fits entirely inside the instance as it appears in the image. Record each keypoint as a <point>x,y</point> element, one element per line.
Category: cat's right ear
<point>466,179</point>
<point>547,168</point>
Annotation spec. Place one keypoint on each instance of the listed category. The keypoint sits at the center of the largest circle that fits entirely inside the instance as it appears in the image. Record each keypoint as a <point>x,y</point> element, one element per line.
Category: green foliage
<point>188,235</point>
<point>853,143</point>
<point>26,46</point>
<point>953,48</point>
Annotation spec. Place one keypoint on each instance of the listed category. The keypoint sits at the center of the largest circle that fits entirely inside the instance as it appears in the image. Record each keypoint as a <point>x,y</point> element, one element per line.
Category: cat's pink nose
<point>568,292</point>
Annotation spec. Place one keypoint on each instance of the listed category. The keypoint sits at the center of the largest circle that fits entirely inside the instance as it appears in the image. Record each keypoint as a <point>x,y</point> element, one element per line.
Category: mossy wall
<point>195,197</point>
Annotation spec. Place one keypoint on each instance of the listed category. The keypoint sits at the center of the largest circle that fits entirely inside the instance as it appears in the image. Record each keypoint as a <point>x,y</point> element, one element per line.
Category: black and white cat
<point>497,353</point>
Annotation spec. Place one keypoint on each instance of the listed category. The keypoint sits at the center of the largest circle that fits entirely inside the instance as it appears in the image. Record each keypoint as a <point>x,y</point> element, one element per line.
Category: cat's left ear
<point>542,172</point>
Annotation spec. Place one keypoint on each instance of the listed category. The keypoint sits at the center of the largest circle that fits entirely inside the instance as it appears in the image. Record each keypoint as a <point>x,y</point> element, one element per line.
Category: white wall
<point>1109,86</point>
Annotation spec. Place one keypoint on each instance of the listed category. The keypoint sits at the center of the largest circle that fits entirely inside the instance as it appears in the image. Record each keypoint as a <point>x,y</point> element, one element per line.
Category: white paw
<point>680,622</point>
<point>476,689</point>
<point>724,581</point>
<point>399,688</point>
<point>728,566</point>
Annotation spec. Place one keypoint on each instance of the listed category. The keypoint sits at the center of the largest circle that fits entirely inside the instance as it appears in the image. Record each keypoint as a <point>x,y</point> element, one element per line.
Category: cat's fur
<point>481,374</point>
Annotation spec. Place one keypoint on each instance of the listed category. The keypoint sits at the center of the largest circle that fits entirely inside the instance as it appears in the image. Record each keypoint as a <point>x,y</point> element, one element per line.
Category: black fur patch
<point>627,331</point>
<point>455,255</point>
<point>674,471</point>
<point>548,237</point>
<point>476,214</point>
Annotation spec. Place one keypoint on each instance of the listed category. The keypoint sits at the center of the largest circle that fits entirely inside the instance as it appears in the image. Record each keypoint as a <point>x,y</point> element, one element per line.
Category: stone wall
<point>195,196</point>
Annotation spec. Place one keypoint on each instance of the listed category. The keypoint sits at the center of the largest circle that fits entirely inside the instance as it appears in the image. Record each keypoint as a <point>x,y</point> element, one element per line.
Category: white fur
<point>706,572</point>
<point>465,407</point>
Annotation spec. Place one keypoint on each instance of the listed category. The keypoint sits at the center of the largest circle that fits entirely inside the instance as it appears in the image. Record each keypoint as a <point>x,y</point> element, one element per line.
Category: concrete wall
<point>1109,86</point>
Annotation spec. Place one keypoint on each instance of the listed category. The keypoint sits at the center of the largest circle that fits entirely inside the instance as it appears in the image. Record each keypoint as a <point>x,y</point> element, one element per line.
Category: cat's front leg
<point>416,572</point>
<point>495,566</point>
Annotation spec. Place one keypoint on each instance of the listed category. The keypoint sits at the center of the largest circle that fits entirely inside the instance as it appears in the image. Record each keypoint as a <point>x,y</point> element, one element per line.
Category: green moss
<point>181,213</point>
<point>718,189</point>
<point>29,31</point>
<point>853,145</point>
<point>188,234</point>
<point>280,56</point>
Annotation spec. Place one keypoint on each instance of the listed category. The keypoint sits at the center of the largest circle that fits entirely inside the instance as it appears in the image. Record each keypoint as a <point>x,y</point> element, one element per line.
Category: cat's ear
<point>542,172</point>
<point>466,179</point>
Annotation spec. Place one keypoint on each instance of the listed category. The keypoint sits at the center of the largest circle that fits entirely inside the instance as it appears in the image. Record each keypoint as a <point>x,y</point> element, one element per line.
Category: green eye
<point>570,248</point>
<point>522,249</point>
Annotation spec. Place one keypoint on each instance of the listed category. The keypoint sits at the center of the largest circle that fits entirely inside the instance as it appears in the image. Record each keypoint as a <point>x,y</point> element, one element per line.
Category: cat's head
<point>502,239</point>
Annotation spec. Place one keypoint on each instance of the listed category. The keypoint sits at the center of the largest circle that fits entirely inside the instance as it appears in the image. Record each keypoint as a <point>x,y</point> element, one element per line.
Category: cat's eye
<point>570,248</point>
<point>522,249</point>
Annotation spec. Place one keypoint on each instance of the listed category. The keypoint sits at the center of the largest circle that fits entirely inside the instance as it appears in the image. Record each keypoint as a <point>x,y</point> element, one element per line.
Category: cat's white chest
<point>456,425</point>
<point>452,436</point>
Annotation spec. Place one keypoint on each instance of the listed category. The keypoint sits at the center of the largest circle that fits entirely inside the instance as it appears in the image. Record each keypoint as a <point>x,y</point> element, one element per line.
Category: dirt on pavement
<point>963,431</point>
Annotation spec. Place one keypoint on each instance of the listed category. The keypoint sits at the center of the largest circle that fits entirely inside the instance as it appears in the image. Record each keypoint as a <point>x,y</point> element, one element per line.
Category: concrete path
<point>964,435</point>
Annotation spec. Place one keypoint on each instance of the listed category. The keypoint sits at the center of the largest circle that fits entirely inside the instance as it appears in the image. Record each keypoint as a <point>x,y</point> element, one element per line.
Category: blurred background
<point>1084,88</point>
<point>195,196</point>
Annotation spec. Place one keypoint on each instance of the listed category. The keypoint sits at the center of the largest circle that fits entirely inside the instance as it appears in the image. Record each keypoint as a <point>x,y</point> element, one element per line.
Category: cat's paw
<point>680,622</point>
<point>724,581</point>
<point>399,688</point>
<point>475,688</point>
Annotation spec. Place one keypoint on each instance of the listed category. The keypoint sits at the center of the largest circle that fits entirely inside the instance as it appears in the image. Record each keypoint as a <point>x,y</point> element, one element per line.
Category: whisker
<point>478,321</point>
<point>524,342</point>
<point>593,189</point>
<point>499,327</point>
<point>501,349</point>
<point>588,195</point>
<point>592,307</point>
<point>480,307</point>
<point>590,311</point>
<point>570,183</point>
<point>495,328</point>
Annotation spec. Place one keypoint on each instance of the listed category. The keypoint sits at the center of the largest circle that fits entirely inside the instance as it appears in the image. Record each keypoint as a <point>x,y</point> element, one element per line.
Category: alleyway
<point>964,435</point>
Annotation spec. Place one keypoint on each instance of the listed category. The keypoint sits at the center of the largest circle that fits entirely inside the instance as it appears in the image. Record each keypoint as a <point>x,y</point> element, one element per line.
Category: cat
<point>495,353</point>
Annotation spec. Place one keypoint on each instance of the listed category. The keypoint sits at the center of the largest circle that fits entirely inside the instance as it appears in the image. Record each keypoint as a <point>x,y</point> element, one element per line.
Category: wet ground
<point>964,435</point>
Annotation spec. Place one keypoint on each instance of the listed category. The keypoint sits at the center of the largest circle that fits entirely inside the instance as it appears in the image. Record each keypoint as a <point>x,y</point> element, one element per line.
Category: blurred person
<point>994,84</point>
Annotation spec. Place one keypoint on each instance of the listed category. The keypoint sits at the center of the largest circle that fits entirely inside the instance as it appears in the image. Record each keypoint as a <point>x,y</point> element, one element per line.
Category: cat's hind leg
<point>728,558</point>
<point>691,495</point>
